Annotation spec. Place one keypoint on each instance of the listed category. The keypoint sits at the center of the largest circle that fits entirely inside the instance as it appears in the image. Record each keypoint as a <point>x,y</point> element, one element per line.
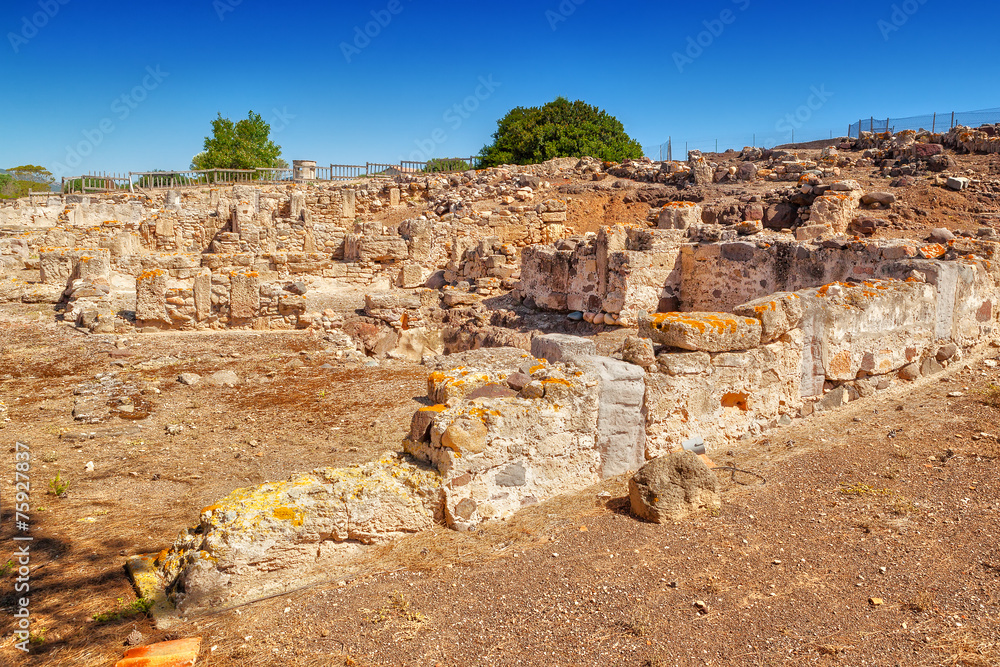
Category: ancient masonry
<point>744,313</point>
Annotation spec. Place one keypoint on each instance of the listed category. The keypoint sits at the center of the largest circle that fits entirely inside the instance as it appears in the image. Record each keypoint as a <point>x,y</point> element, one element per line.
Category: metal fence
<point>143,180</point>
<point>935,122</point>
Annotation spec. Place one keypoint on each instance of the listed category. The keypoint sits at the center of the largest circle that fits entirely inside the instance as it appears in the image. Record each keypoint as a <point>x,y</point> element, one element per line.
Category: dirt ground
<point>874,540</point>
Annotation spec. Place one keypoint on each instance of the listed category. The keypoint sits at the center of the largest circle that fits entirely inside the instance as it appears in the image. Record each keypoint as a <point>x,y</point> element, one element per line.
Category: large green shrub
<point>528,135</point>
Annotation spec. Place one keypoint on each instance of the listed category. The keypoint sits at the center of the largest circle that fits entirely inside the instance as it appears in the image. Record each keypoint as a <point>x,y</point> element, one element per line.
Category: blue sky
<point>120,86</point>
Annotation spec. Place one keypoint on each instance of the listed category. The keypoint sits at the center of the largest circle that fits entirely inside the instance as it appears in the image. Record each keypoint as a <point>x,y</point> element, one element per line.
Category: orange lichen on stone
<point>440,407</point>
<point>933,250</point>
<point>720,322</point>
<point>736,400</point>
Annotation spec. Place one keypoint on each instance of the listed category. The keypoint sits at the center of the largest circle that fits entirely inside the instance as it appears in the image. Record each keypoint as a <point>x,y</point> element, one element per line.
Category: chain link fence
<point>934,122</point>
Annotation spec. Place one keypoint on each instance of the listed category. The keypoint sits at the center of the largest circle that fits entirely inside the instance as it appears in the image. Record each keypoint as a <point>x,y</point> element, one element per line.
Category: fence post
<point>934,122</point>
<point>952,120</point>
<point>887,124</point>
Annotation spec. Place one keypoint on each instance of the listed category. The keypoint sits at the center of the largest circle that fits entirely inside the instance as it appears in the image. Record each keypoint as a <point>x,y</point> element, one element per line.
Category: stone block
<point>812,232</point>
<point>621,420</point>
<point>561,347</point>
<point>679,215</point>
<point>957,183</point>
<point>778,314</point>
<point>705,332</point>
<point>411,276</point>
<point>244,295</point>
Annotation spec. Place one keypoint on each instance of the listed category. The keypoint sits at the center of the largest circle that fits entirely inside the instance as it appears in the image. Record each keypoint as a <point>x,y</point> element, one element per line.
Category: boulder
<point>671,487</point>
<point>878,199</point>
<point>638,351</point>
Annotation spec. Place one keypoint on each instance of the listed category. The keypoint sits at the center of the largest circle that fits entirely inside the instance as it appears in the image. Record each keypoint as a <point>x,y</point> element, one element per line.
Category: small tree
<point>446,164</point>
<point>19,181</point>
<point>242,145</point>
<point>528,135</point>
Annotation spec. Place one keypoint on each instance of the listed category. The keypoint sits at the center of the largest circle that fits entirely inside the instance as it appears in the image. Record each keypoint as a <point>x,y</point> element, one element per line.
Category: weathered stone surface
<point>244,295</point>
<point>910,372</point>
<point>465,436</point>
<point>878,198</point>
<point>778,314</point>
<point>946,352</point>
<point>639,351</point>
<point>957,183</point>
<point>90,409</point>
<point>679,215</point>
<point>621,420</point>
<point>223,379</point>
<point>189,378</point>
<point>561,347</point>
<point>684,363</point>
<point>255,542</point>
<point>836,210</point>
<point>670,487</point>
<point>708,332</point>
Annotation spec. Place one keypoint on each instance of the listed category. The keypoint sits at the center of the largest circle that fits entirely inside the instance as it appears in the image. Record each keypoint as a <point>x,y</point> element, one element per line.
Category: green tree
<point>19,181</point>
<point>446,164</point>
<point>528,135</point>
<point>245,144</point>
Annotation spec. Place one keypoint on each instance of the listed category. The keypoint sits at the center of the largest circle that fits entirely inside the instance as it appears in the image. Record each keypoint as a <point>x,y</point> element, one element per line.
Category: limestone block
<point>297,206</point>
<point>203,295</point>
<point>244,295</point>
<point>411,276</point>
<point>381,248</point>
<point>836,209</point>
<point>684,363</point>
<point>875,327</point>
<point>671,487</point>
<point>621,420</point>
<point>561,347</point>
<point>812,232</point>
<point>638,351</point>
<point>254,542</point>
<point>151,296</point>
<point>707,332</point>
<point>55,265</point>
<point>679,215</point>
<point>349,203</point>
<point>12,289</point>
<point>394,197</point>
<point>778,314</point>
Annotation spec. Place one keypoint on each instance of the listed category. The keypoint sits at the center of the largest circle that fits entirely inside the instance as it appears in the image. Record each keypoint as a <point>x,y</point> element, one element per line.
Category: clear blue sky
<point>118,86</point>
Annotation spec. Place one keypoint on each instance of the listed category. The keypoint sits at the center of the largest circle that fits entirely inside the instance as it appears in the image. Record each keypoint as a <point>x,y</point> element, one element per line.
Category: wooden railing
<point>104,182</point>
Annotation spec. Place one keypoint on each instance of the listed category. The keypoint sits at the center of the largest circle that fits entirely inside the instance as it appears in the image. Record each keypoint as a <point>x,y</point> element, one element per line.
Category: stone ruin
<point>742,304</point>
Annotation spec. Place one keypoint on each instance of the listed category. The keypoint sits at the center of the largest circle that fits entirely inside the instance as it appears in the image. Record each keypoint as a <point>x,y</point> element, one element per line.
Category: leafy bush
<point>242,145</point>
<point>559,129</point>
<point>446,164</point>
